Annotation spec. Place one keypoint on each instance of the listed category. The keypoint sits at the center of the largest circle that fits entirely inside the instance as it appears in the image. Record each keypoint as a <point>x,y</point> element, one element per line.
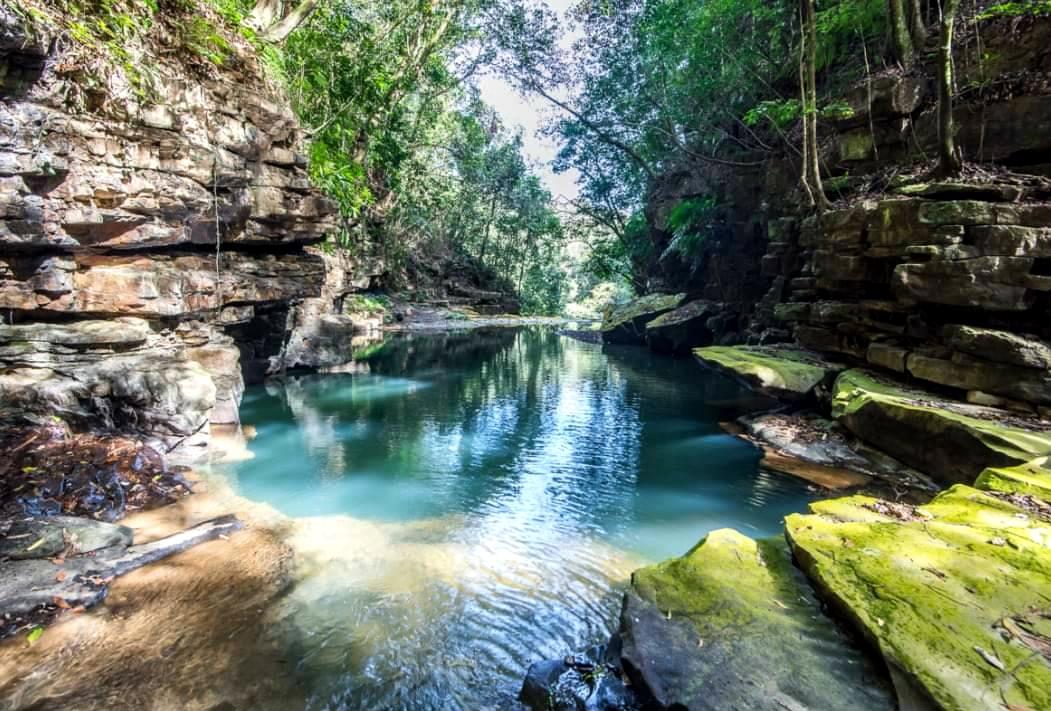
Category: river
<point>468,503</point>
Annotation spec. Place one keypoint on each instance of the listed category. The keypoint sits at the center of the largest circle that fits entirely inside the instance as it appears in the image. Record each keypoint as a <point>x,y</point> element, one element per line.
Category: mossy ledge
<point>954,594</point>
<point>732,624</point>
<point>786,373</point>
<point>951,441</point>
<point>627,324</point>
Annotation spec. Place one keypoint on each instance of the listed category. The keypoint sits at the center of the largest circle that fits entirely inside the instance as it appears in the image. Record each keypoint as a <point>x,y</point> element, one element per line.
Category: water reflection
<point>475,501</point>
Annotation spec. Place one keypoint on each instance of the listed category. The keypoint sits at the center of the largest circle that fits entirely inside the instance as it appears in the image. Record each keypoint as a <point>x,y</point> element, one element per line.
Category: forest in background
<point>423,170</point>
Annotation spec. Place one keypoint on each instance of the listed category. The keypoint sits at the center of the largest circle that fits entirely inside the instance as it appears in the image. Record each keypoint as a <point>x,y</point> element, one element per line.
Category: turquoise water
<point>472,502</point>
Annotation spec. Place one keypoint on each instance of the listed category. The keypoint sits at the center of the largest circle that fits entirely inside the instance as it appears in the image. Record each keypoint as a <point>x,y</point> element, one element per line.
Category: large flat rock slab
<point>956,595</point>
<point>682,329</point>
<point>732,625</point>
<point>949,440</point>
<point>626,324</point>
<point>1029,479</point>
<point>781,372</point>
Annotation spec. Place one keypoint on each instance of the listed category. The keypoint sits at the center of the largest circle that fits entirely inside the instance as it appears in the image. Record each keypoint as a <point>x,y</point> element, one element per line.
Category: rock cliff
<point>948,283</point>
<point>156,239</point>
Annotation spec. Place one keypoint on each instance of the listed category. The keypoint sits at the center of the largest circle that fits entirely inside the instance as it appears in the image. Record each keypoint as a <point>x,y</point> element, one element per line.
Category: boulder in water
<point>592,681</point>
<point>626,324</point>
<point>781,372</point>
<point>732,625</point>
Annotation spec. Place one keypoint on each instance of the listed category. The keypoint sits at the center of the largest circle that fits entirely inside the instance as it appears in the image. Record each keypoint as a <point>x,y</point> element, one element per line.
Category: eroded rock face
<point>119,374</point>
<point>185,205</point>
<point>684,328</point>
<point>322,334</point>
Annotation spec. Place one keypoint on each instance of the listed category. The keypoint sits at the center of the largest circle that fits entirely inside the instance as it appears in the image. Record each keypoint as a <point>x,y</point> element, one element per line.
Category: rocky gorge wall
<point>159,244</point>
<point>944,282</point>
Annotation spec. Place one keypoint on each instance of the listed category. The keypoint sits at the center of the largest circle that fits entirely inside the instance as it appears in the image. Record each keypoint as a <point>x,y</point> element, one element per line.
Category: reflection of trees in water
<point>476,412</point>
<point>523,420</point>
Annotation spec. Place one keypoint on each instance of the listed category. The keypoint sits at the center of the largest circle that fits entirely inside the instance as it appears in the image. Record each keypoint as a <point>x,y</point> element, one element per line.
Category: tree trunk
<point>280,31</point>
<point>266,13</point>
<point>811,159</point>
<point>917,24</point>
<point>949,160</point>
<point>900,38</point>
<point>488,227</point>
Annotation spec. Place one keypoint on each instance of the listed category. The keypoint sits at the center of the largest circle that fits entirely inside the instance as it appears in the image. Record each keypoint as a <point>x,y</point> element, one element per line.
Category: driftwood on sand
<point>82,580</point>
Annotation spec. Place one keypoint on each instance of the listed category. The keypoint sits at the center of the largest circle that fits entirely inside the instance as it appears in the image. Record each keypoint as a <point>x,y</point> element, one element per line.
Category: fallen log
<point>28,586</point>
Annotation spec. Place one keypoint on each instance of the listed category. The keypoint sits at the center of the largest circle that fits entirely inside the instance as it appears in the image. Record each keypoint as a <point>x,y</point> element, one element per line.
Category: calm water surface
<point>476,501</point>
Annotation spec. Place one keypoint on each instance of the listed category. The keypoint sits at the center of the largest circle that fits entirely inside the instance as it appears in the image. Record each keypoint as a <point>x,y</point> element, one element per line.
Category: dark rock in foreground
<point>593,681</point>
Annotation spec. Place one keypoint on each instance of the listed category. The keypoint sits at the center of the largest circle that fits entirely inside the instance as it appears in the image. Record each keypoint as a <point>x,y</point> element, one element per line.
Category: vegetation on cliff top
<point>422,169</point>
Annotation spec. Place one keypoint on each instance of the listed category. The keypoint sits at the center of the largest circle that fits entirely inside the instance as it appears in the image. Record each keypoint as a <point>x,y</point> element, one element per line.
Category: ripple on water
<point>477,503</point>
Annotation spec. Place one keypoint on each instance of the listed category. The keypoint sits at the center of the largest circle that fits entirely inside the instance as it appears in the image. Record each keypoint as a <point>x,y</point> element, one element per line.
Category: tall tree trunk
<point>900,38</point>
<point>949,160</point>
<point>266,12</point>
<point>917,24</point>
<point>811,158</point>
<point>488,227</point>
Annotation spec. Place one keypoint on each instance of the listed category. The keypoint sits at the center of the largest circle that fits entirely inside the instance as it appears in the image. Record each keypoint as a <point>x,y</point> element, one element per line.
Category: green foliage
<point>370,304</point>
<point>689,224</point>
<point>198,36</point>
<point>114,34</point>
<point>421,171</point>
<point>599,300</point>
<point>842,24</point>
<point>780,112</point>
<point>1037,8</point>
<point>661,85</point>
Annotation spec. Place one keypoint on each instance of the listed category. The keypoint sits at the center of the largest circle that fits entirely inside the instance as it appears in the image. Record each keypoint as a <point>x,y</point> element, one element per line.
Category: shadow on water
<point>476,501</point>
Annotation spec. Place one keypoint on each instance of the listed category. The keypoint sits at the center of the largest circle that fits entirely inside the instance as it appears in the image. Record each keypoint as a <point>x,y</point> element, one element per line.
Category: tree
<point>901,39</point>
<point>275,20</point>
<point>811,177</point>
<point>950,162</point>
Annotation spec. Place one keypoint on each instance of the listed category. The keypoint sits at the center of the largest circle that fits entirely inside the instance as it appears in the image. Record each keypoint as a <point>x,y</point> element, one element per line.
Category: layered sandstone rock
<point>152,239</point>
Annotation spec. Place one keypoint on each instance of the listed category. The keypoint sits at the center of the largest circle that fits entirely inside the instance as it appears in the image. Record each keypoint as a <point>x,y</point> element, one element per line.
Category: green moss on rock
<point>952,593</point>
<point>627,323</point>
<point>951,441</point>
<point>732,624</point>
<point>1032,478</point>
<point>786,373</point>
<point>681,329</point>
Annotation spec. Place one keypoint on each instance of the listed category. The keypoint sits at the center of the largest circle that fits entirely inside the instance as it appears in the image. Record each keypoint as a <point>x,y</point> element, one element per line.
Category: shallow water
<point>476,501</point>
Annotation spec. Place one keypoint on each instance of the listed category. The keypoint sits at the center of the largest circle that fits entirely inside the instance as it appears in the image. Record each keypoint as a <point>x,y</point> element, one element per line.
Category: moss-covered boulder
<point>956,595</point>
<point>627,323</point>
<point>732,625</point>
<point>949,440</point>
<point>780,372</point>
<point>1032,479</point>
<point>684,328</point>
